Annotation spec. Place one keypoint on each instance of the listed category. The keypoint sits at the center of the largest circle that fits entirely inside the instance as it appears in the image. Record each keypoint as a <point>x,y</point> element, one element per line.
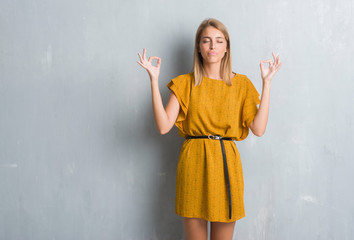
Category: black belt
<point>217,137</point>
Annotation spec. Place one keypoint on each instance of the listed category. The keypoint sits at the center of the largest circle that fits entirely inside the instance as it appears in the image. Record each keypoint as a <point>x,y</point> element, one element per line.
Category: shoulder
<point>184,77</point>
<point>243,79</point>
<point>184,80</point>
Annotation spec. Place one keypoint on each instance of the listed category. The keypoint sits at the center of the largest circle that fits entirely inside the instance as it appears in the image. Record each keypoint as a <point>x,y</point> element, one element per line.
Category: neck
<point>212,70</point>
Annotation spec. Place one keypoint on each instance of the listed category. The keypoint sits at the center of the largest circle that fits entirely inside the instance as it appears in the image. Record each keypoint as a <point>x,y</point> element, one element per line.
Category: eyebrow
<point>210,37</point>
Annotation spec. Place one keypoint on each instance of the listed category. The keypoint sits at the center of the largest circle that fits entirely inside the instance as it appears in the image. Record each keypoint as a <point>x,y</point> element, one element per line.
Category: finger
<point>262,68</point>
<point>271,63</point>
<point>152,58</point>
<point>262,64</point>
<point>278,62</point>
<point>140,57</point>
<point>144,52</point>
<point>140,64</point>
<point>158,62</point>
<point>279,66</point>
<point>275,58</point>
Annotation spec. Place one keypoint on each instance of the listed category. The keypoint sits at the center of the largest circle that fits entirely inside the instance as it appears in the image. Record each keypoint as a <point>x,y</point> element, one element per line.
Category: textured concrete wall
<point>80,155</point>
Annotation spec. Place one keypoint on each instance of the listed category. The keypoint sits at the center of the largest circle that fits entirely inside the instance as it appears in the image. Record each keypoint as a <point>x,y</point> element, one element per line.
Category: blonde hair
<point>225,67</point>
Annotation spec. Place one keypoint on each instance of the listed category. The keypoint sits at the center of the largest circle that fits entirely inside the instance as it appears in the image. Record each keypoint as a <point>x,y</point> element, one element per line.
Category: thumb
<point>158,63</point>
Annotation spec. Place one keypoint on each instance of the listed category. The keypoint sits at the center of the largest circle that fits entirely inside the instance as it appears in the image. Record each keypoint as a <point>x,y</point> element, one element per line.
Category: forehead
<point>212,32</point>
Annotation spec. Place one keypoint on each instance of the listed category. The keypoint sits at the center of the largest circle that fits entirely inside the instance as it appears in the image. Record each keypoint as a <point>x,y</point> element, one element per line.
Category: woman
<point>213,107</point>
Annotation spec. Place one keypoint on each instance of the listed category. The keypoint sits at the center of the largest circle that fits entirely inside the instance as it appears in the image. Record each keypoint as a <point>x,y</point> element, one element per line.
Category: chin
<point>213,61</point>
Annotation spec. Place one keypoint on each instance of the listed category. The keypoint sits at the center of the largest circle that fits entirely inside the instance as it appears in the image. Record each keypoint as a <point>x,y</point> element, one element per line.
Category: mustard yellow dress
<point>217,109</point>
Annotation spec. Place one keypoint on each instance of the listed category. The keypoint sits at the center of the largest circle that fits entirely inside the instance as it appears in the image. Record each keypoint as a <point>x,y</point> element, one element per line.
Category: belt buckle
<point>217,137</point>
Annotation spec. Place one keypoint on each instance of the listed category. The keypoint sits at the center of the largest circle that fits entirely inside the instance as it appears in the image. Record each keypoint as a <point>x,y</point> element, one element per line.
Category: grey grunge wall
<point>81,157</point>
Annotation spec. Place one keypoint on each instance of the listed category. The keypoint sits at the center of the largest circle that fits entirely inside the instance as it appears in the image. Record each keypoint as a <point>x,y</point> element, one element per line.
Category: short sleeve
<point>181,86</point>
<point>251,100</point>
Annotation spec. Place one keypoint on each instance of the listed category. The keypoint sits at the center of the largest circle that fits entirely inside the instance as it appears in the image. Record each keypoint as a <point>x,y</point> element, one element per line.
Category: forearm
<point>160,114</point>
<point>259,123</point>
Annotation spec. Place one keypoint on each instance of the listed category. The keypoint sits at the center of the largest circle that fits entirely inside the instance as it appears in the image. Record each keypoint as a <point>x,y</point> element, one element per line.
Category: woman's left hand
<point>268,73</point>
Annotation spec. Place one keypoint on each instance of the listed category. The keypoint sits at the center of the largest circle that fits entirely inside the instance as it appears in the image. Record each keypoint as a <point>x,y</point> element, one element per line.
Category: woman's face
<point>212,45</point>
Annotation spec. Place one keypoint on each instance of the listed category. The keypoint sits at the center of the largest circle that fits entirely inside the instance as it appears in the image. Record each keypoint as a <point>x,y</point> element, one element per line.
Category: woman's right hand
<point>154,71</point>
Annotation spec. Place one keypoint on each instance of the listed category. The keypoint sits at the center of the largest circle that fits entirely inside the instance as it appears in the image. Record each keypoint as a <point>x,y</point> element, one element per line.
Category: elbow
<point>165,128</point>
<point>259,133</point>
<point>256,130</point>
<point>164,131</point>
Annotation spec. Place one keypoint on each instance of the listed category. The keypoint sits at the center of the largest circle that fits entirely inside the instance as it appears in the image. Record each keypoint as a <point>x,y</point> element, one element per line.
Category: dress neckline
<point>220,80</point>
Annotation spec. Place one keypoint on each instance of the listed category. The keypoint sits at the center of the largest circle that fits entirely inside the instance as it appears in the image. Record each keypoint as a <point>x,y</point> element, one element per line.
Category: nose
<point>212,45</point>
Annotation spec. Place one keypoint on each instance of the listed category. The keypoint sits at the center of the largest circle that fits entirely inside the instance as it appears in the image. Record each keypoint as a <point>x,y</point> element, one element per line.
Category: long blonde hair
<point>225,67</point>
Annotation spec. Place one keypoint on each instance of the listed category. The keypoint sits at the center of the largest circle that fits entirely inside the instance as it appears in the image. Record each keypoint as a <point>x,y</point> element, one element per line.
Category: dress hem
<point>211,219</point>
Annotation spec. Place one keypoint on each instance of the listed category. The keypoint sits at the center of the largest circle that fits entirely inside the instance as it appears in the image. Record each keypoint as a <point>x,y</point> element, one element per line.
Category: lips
<point>212,53</point>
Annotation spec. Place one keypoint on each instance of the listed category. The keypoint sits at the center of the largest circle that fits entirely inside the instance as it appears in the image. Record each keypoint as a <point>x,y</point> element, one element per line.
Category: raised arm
<point>164,118</point>
<point>259,124</point>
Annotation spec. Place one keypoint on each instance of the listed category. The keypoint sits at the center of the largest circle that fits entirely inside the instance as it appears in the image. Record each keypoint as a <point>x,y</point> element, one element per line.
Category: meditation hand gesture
<point>153,71</point>
<point>268,73</point>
